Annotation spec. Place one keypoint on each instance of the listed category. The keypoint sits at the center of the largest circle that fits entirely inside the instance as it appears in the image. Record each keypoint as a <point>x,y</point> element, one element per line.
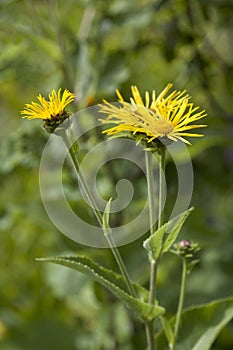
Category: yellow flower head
<point>170,116</point>
<point>52,110</point>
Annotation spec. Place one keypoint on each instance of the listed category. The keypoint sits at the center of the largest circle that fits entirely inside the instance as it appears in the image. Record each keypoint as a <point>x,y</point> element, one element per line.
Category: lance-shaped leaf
<point>200,325</point>
<point>161,241</point>
<point>114,282</point>
<point>106,215</point>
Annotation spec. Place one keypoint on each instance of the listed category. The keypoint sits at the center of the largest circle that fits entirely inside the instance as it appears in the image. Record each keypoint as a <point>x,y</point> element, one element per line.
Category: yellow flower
<point>52,110</point>
<point>170,116</point>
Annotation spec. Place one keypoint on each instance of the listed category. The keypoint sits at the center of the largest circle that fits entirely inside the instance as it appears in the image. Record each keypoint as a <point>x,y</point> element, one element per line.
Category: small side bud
<point>189,251</point>
<point>184,245</point>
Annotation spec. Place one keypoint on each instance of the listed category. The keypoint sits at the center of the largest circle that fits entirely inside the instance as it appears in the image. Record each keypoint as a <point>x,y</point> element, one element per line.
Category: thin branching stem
<point>98,214</point>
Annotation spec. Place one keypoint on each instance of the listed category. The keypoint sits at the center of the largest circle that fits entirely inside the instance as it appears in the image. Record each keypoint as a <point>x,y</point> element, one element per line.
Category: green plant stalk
<point>98,215</point>
<point>152,218</point>
<point>149,326</point>
<point>181,300</point>
<point>151,203</point>
<point>151,200</point>
<point>150,189</point>
<point>162,166</point>
<point>76,166</point>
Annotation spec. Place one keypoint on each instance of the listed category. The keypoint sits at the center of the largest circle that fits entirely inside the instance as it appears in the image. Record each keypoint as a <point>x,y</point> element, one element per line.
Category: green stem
<point>120,264</point>
<point>151,202</point>
<point>150,189</point>
<point>181,300</point>
<point>152,218</point>
<point>150,335</point>
<point>79,174</point>
<point>162,164</point>
<point>97,213</point>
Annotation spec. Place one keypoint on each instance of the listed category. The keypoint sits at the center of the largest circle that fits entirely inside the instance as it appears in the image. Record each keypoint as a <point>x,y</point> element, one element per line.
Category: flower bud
<point>187,250</point>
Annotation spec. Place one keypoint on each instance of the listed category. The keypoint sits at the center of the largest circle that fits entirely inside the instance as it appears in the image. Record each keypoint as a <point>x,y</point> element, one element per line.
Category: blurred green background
<point>92,48</point>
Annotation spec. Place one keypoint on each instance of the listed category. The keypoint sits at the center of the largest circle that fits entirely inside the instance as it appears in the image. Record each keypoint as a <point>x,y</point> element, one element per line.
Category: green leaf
<point>161,241</point>
<point>106,216</point>
<point>114,282</point>
<point>200,325</point>
<point>167,330</point>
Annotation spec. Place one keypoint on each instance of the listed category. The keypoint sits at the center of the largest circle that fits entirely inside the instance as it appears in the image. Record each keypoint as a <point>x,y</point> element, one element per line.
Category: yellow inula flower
<point>52,110</point>
<point>170,116</point>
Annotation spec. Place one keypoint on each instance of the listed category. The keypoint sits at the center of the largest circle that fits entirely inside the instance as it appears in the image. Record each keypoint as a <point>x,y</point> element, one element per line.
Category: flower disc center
<point>162,127</point>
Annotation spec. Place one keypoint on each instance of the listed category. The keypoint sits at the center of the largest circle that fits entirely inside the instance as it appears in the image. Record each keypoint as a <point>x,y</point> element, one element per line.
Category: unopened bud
<point>187,250</point>
<point>184,244</point>
<point>57,125</point>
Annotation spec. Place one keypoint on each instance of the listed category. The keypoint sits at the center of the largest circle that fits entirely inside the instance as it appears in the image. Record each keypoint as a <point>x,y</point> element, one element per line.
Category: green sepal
<point>115,283</point>
<point>162,239</point>
<point>57,125</point>
<point>139,138</point>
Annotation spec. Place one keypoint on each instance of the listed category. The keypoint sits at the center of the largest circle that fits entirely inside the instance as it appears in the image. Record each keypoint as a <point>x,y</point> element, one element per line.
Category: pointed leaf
<point>167,330</point>
<point>161,241</point>
<point>114,282</point>
<point>106,216</point>
<point>200,325</point>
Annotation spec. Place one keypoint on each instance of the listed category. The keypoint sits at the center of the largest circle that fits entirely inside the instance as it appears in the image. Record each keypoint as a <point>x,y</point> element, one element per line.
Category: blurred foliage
<point>92,48</point>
